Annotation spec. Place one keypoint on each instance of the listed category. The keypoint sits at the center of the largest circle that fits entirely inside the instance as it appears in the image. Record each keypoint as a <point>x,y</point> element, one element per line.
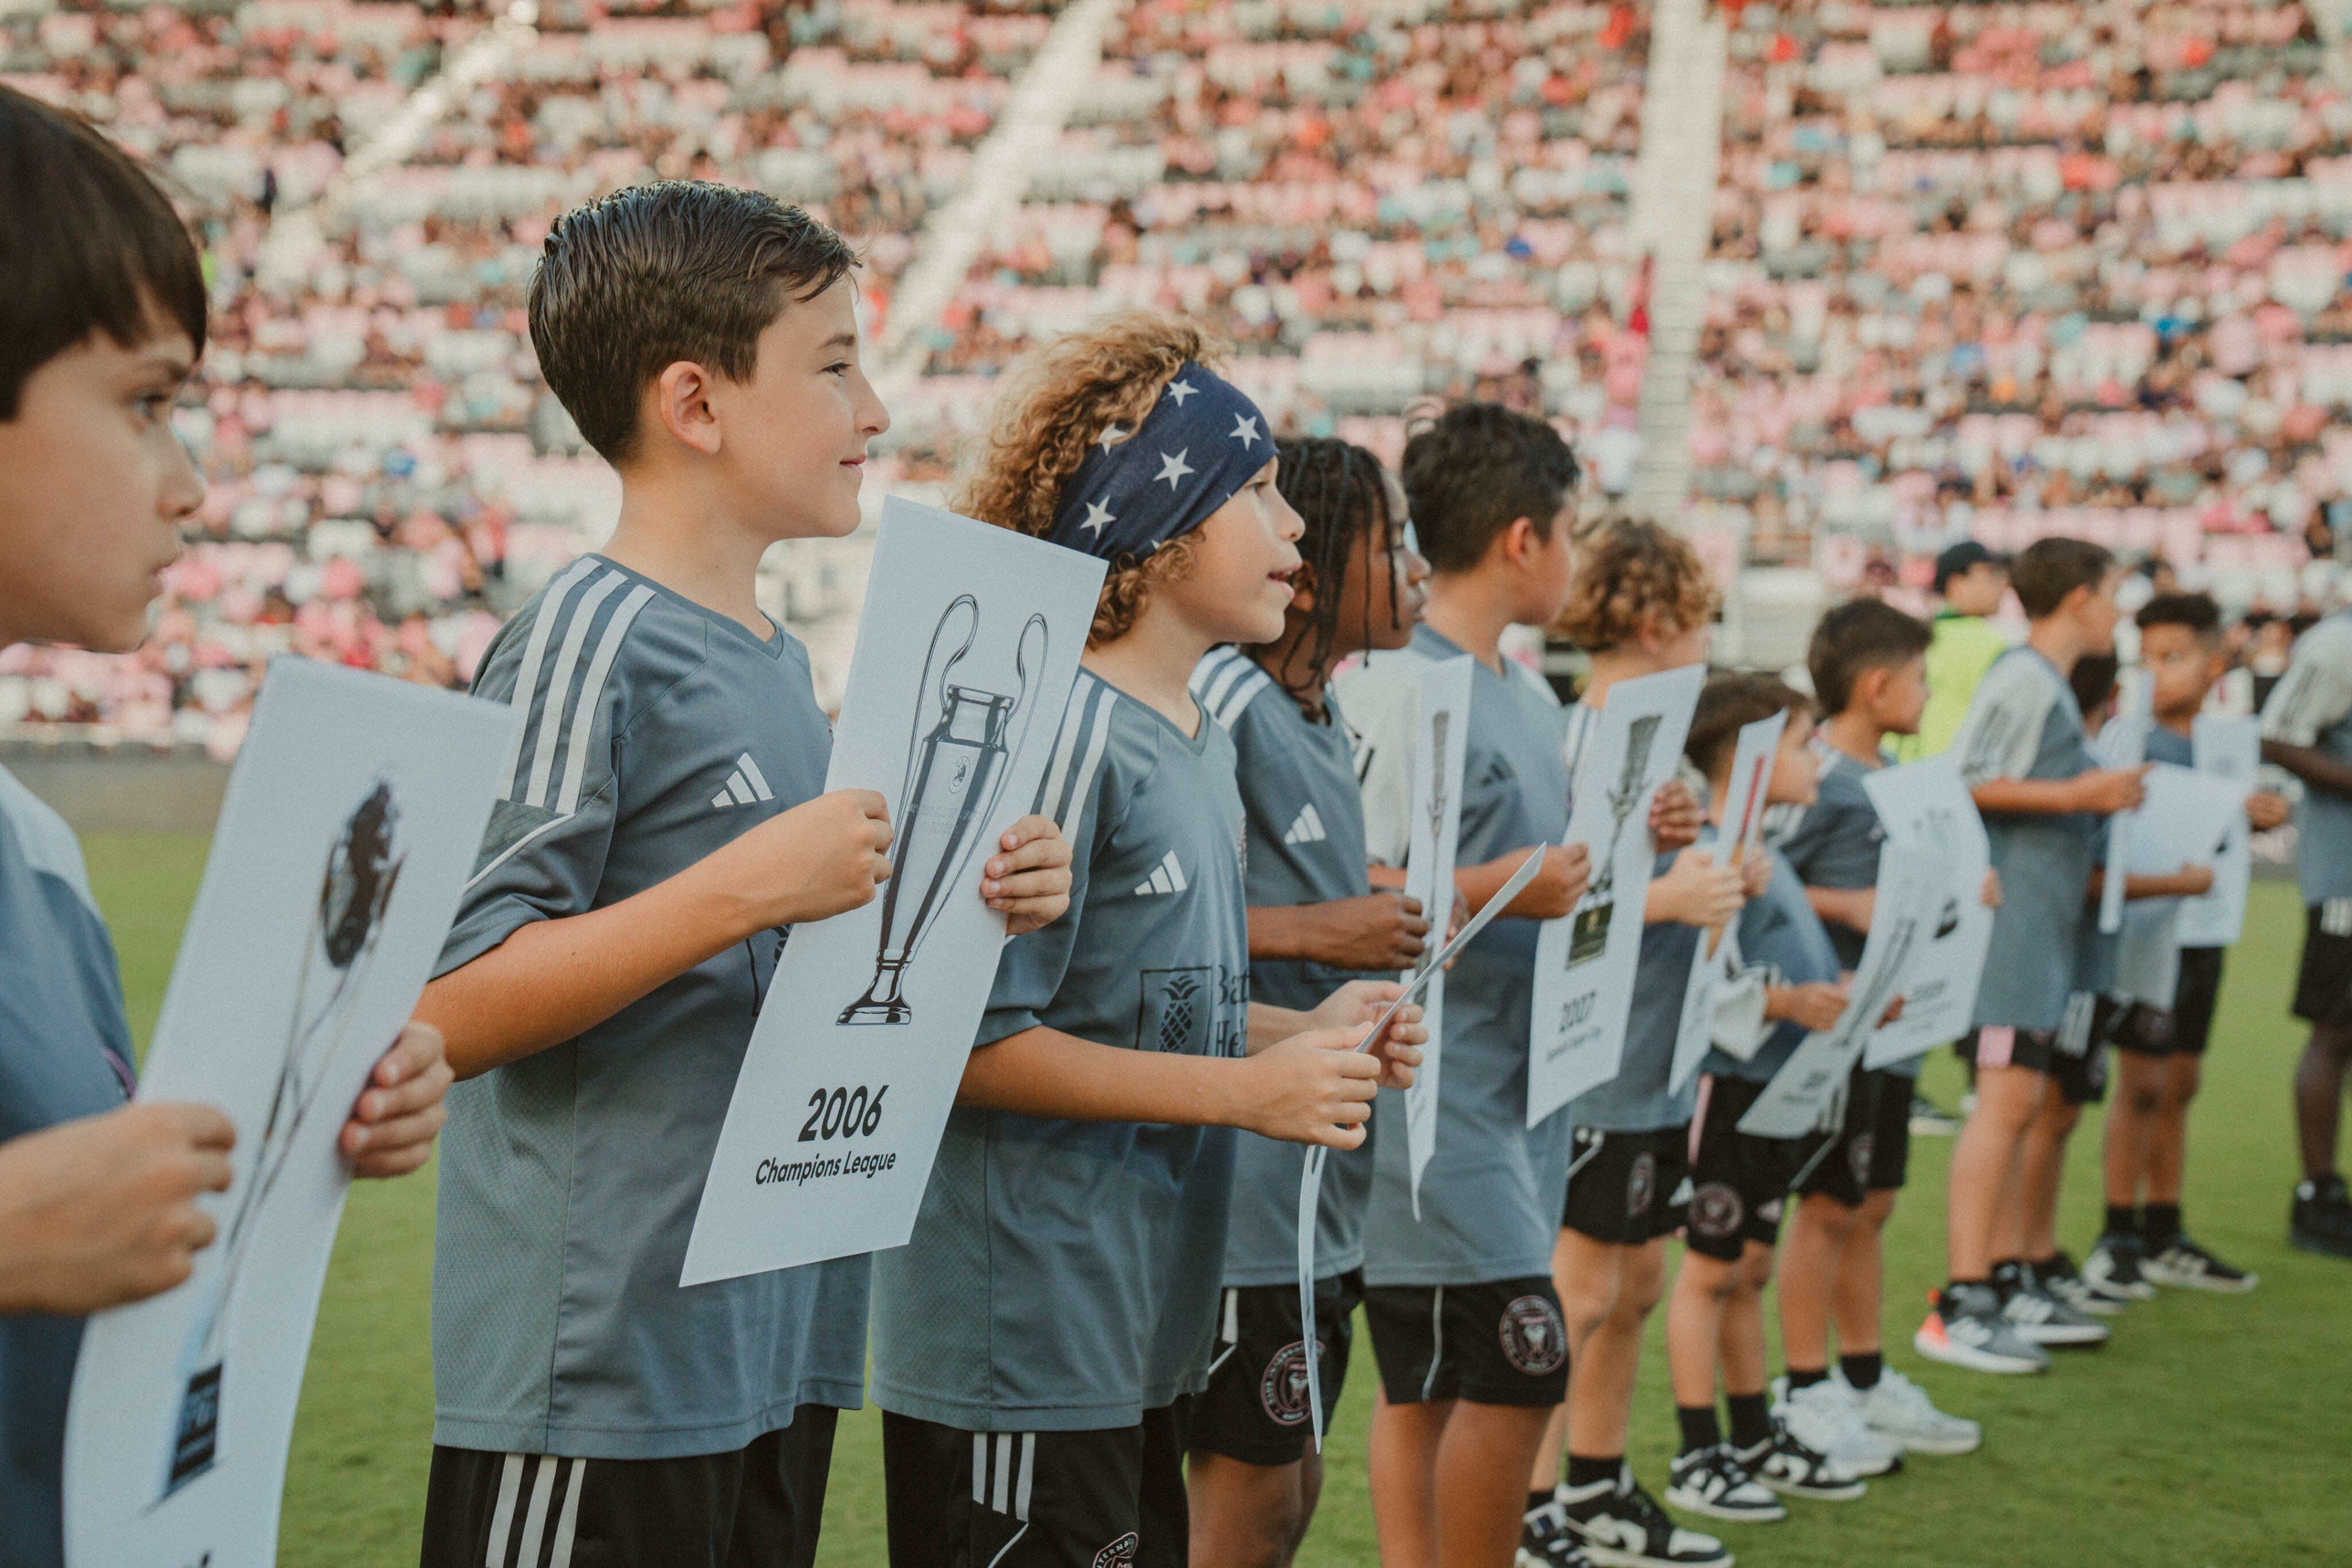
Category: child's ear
<point>679,399</point>
<point>1520,541</point>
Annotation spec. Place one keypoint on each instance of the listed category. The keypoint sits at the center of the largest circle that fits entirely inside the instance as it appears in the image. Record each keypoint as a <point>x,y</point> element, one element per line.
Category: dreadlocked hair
<point>1340,492</point>
<point>1053,409</point>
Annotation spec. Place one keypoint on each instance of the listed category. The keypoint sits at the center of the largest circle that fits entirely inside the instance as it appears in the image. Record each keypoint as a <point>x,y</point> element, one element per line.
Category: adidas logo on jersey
<point>1307,828</point>
<point>743,786</point>
<point>1169,877</point>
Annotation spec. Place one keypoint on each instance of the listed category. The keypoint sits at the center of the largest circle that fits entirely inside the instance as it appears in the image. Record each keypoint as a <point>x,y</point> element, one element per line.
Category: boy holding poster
<point>1034,1342</point>
<point>2159,1053</point>
<point>660,828</point>
<point>2044,798</point>
<point>1640,606</point>
<point>100,329</point>
<point>1868,661</point>
<point>1314,921</point>
<point>1466,1326</point>
<point>1715,1314</point>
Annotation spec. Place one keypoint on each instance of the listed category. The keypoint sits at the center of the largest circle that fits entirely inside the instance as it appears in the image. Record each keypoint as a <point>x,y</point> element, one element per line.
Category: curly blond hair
<point>1052,409</point>
<point>1633,577</point>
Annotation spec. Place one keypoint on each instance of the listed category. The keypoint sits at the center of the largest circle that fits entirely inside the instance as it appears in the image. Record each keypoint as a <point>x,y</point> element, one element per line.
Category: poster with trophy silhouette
<point>1441,726</point>
<point>1717,957</point>
<point>2230,749</point>
<point>1803,1095</point>
<point>1924,807</point>
<point>1585,959</point>
<point>967,649</point>
<point>345,837</point>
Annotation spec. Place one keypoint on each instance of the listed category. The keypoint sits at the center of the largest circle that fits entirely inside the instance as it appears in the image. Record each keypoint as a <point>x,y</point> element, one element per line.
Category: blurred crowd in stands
<point>1996,270</point>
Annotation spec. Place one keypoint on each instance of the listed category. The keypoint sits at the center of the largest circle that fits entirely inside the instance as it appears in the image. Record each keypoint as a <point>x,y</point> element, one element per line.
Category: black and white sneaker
<point>1622,1526</point>
<point>2321,1218</point>
<point>2113,1268</point>
<point>1790,1466</point>
<point>1964,1328</point>
<point>2040,1316</point>
<point>1713,1482</point>
<point>1547,1541</point>
<point>2058,1277</point>
<point>2185,1266</point>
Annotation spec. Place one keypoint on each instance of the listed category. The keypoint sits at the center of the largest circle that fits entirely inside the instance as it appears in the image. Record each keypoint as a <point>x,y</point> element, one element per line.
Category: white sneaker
<point>1899,1409</point>
<point>1823,1417</point>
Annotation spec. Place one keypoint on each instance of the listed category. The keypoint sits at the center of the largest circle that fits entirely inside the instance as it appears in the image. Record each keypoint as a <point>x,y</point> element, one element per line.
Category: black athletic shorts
<point>2081,1077</point>
<point>2142,1029</point>
<point>1739,1182</point>
<point>2322,992</point>
<point>1871,1151</point>
<point>2193,1002</point>
<point>761,1505</point>
<point>1108,1499</point>
<point>1255,1408</point>
<point>1623,1187</point>
<point>1497,1342</point>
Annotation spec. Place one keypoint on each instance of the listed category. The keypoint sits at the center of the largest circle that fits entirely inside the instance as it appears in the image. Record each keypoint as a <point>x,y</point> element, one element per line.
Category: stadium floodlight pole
<point>363,865</point>
<point>1587,937</point>
<point>955,775</point>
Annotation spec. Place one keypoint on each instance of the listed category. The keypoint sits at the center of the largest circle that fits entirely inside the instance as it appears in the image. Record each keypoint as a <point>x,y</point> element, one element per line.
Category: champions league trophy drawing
<point>362,868</point>
<point>1587,936</point>
<point>954,775</point>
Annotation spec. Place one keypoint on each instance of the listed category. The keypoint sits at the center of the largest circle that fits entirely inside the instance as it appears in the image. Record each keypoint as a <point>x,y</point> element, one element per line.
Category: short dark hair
<point>2046,571</point>
<point>677,270</point>
<point>1859,637</point>
<point>2197,611</point>
<point>1477,469</point>
<point>88,243</point>
<point>2094,680</point>
<point>1728,703</point>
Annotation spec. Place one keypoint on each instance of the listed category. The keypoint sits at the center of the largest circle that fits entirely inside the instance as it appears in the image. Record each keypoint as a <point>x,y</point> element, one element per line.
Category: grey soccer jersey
<point>1298,779</point>
<point>65,1052</point>
<point>1063,1275</point>
<point>1779,934</point>
<point>655,733</point>
<point>1637,1100</point>
<point>2312,706</point>
<point>2023,723</point>
<point>1490,1198</point>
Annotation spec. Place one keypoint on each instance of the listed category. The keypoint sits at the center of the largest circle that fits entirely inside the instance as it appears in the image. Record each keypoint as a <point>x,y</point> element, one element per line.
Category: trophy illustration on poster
<point>955,771</point>
<point>1589,934</point>
<point>361,867</point>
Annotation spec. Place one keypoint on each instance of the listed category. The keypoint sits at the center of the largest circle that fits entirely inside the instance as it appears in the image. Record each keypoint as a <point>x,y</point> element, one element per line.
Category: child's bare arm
<point>1567,872</point>
<point>552,980</point>
<point>2104,792</point>
<point>1312,1088</point>
<point>1850,908</point>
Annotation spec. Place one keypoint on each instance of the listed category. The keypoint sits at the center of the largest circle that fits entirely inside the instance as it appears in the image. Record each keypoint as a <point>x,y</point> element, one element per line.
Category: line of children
<point>1099,1284</point>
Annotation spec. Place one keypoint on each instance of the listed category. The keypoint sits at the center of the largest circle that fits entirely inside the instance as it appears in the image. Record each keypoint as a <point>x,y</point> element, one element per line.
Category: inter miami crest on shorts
<point>1535,1341</point>
<point>1282,1388</point>
<point>1717,1211</point>
<point>1641,1185</point>
<point>1119,1554</point>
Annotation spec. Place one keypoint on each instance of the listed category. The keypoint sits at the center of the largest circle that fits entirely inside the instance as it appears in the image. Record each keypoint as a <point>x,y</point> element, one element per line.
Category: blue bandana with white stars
<point>1139,488</point>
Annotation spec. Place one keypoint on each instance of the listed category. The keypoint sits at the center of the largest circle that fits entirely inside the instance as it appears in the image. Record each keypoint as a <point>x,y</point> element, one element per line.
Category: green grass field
<point>2199,1437</point>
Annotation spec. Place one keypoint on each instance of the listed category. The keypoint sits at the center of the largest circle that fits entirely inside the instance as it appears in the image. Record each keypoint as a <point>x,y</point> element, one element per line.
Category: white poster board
<point>1910,900</point>
<point>350,822</point>
<point>2182,819</point>
<point>2228,748</point>
<point>2124,744</point>
<point>1418,984</point>
<point>1743,827</point>
<point>967,649</point>
<point>1924,807</point>
<point>1440,743</point>
<point>1585,960</point>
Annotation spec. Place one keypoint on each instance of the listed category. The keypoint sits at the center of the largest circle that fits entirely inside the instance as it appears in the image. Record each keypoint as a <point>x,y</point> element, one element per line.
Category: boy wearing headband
<point>1033,1342</point>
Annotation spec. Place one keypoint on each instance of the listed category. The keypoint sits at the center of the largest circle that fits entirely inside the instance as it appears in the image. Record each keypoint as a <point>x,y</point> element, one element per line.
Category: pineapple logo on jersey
<point>1177,1004</point>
